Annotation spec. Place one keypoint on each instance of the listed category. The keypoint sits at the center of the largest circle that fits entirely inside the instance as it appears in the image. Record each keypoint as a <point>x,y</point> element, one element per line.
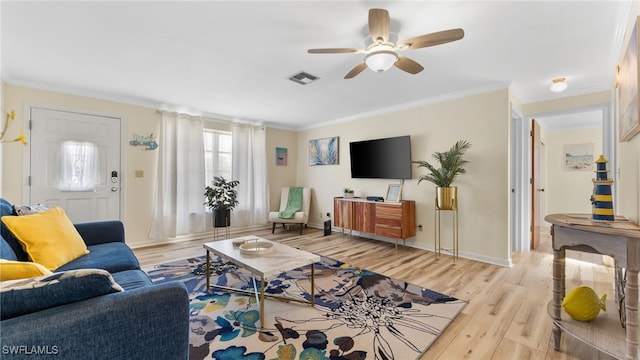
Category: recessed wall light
<point>558,84</point>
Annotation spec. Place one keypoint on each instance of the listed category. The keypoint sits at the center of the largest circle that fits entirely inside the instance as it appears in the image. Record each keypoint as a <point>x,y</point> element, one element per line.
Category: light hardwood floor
<point>506,317</point>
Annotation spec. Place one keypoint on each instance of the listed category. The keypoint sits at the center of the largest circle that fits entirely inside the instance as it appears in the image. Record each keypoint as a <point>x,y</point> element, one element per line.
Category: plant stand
<point>223,234</point>
<point>221,219</point>
<point>437,244</point>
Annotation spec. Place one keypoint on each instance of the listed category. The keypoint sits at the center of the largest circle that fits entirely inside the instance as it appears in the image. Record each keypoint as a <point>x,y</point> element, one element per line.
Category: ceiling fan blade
<point>436,38</point>
<point>335,51</point>
<point>356,70</point>
<point>379,25</point>
<point>408,65</point>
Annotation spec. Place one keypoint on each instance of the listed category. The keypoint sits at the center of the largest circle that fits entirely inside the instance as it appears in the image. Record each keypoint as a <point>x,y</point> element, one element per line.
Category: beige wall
<point>281,175</point>
<point>567,103</point>
<point>484,190</point>
<point>627,185</point>
<point>569,190</point>
<point>2,103</point>
<point>138,192</point>
<point>482,119</point>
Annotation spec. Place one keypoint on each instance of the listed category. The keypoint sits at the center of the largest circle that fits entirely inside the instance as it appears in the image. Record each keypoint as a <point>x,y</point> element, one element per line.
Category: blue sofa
<point>145,321</point>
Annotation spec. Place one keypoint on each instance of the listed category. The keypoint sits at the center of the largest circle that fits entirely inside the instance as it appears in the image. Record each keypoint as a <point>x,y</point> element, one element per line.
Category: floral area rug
<point>358,314</point>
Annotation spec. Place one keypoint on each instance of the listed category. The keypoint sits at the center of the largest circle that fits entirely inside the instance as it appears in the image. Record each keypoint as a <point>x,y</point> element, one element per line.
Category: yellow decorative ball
<point>583,304</point>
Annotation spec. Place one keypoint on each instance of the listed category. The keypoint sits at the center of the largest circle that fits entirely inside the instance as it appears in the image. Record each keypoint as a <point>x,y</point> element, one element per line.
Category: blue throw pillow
<point>20,297</point>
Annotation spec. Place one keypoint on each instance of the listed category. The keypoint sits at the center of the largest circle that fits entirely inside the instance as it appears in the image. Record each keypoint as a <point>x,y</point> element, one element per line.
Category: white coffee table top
<point>270,264</point>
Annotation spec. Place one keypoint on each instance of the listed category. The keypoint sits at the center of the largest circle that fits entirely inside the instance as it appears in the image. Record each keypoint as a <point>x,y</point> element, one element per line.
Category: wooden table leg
<point>207,269</point>
<point>558,293</point>
<point>631,309</point>
<point>262,302</point>
<point>313,286</point>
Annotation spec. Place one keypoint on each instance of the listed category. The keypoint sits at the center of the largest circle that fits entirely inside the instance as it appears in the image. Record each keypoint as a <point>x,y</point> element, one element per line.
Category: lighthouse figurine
<point>602,200</point>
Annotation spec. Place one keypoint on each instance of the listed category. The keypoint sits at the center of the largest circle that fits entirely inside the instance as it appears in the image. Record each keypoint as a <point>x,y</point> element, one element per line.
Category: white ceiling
<point>232,59</point>
<point>571,121</point>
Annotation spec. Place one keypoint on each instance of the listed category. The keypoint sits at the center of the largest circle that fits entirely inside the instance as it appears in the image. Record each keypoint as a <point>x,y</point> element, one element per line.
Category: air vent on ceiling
<point>303,78</point>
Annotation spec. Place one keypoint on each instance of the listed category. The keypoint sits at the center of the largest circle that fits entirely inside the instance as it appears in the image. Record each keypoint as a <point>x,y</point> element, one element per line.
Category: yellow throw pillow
<point>49,237</point>
<point>14,270</point>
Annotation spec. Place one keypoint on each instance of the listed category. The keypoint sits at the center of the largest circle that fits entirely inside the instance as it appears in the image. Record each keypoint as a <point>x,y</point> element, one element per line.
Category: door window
<point>78,166</point>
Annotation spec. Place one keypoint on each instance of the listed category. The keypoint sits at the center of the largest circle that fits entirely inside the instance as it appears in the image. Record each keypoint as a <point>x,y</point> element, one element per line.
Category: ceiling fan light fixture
<point>381,61</point>
<point>558,84</point>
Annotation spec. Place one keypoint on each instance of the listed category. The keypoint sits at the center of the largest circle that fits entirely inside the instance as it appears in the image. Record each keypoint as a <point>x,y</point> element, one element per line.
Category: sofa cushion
<point>113,257</point>
<point>14,270</point>
<point>48,237</point>
<point>20,297</point>
<point>132,279</point>
<point>6,209</point>
<point>21,210</point>
<point>6,251</point>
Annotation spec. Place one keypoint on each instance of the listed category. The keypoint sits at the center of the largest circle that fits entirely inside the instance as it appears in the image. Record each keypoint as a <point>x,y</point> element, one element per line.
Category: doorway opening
<point>570,122</point>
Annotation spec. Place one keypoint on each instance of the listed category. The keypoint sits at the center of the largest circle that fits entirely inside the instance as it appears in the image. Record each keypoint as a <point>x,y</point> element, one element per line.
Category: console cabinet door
<point>365,221</point>
<point>340,213</point>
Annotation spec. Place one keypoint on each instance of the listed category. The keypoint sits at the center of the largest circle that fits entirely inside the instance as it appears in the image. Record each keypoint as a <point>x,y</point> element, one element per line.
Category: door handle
<point>541,190</point>
<point>114,189</point>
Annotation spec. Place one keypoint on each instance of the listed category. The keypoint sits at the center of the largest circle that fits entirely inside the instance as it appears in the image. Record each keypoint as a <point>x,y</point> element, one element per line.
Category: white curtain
<point>178,207</point>
<point>78,166</point>
<point>250,168</point>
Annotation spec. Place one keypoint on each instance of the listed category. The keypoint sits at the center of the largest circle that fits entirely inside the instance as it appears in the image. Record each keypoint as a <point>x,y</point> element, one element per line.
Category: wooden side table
<point>619,239</point>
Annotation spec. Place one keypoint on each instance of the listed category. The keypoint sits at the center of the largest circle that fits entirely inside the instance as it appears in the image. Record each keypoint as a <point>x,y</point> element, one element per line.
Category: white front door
<point>75,163</point>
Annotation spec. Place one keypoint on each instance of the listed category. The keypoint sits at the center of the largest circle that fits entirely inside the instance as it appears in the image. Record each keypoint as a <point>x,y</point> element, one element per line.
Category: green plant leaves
<point>222,195</point>
<point>451,165</point>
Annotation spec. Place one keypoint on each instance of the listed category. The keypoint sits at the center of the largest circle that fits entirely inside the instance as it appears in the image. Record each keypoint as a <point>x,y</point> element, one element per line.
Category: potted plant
<point>221,198</point>
<point>451,164</point>
<point>348,193</point>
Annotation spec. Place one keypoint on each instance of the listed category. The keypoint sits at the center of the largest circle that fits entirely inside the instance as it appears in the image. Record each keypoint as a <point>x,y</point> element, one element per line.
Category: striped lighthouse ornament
<point>602,200</point>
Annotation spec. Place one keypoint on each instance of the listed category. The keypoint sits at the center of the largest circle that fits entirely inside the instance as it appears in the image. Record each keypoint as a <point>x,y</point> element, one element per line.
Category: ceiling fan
<point>382,52</point>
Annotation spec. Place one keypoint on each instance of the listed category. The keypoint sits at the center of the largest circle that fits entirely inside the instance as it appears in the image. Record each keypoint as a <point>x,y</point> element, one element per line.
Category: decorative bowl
<point>256,248</point>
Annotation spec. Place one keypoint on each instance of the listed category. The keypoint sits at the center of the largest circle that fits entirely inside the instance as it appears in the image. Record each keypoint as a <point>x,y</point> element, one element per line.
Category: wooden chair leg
<point>273,227</point>
<point>301,228</point>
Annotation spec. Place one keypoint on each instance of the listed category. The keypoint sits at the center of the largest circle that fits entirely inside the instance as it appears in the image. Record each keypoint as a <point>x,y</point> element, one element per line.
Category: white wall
<point>569,190</point>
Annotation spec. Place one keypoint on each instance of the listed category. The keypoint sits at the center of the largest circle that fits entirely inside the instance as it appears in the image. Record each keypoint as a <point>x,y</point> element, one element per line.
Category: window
<point>78,166</point>
<point>217,154</point>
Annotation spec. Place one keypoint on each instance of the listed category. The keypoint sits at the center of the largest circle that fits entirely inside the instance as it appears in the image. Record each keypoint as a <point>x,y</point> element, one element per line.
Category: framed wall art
<point>578,157</point>
<point>323,151</point>
<point>281,156</point>
<point>627,79</point>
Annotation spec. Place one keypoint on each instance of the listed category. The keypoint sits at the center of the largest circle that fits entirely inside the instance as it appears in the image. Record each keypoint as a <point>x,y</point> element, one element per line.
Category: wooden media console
<point>395,220</point>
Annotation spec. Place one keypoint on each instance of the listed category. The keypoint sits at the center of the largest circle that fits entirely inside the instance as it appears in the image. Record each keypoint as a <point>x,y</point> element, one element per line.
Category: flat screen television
<point>388,158</point>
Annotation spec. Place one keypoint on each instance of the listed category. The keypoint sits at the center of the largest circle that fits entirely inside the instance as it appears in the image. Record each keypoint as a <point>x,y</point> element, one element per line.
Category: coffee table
<point>278,259</point>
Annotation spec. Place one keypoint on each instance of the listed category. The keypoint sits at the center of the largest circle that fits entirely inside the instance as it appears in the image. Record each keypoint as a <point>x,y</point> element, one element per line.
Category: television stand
<point>395,220</point>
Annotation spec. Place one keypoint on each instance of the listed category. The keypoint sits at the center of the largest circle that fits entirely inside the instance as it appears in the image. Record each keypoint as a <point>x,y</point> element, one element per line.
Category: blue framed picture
<point>281,156</point>
<point>323,151</point>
